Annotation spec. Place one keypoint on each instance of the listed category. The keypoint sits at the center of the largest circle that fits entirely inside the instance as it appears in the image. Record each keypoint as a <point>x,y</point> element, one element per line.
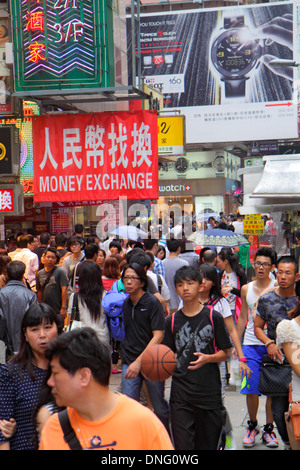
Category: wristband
<point>64,307</point>
<point>242,359</point>
<point>269,342</point>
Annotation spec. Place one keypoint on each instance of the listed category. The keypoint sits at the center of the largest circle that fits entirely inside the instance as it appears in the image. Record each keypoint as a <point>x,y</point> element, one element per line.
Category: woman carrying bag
<point>89,298</point>
<point>288,339</point>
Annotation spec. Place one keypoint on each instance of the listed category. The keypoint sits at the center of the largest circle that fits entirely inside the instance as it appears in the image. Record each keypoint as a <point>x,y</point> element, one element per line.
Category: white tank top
<point>250,339</point>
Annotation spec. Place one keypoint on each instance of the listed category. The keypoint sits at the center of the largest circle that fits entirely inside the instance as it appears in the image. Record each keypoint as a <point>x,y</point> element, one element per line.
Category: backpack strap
<point>172,321</point>
<point>69,433</point>
<point>213,326</point>
<point>159,282</point>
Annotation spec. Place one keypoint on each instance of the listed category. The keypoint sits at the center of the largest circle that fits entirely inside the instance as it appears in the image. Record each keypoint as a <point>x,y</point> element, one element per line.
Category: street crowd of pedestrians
<point>209,305</point>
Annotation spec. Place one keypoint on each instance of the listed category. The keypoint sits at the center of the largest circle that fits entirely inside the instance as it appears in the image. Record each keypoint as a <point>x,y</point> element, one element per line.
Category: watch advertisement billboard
<point>217,67</point>
<point>95,156</point>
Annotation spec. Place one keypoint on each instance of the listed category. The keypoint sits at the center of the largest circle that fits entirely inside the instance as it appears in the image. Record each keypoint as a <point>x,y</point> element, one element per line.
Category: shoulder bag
<point>69,433</point>
<point>74,319</point>
<point>274,378</point>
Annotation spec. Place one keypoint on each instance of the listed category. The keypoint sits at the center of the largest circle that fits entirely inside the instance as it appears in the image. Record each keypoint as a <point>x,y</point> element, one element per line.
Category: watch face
<point>234,53</point>
<point>181,165</point>
<point>219,163</point>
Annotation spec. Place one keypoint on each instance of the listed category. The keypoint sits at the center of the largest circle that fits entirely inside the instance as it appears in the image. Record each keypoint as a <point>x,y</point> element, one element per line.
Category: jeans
<point>132,387</point>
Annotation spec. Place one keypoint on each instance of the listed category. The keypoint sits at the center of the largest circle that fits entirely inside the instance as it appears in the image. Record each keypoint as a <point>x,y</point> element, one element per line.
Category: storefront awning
<point>280,177</point>
<point>273,187</point>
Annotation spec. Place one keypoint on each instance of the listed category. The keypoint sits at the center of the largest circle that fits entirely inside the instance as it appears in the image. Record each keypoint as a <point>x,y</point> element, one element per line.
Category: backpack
<point>112,305</point>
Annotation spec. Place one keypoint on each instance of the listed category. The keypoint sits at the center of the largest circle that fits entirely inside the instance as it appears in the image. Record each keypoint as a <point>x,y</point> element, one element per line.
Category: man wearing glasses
<point>253,348</point>
<point>144,322</point>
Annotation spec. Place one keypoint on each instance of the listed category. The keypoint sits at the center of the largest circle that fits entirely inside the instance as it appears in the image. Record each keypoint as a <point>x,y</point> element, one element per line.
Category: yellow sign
<point>171,135</point>
<point>253,224</point>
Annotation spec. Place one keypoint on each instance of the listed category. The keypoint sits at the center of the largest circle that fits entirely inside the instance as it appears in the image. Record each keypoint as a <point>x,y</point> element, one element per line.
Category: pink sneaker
<point>249,439</point>
<point>269,438</point>
<point>116,371</point>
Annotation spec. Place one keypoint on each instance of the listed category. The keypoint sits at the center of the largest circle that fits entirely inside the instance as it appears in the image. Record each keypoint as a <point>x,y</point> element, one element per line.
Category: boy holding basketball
<point>198,336</point>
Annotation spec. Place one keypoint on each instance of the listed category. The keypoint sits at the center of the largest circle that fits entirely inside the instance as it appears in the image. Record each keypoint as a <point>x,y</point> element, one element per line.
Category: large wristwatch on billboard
<point>234,53</point>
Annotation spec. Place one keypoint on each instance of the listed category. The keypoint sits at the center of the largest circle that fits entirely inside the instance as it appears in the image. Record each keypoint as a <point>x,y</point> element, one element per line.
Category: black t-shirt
<point>196,334</point>
<point>140,321</point>
<point>52,291</point>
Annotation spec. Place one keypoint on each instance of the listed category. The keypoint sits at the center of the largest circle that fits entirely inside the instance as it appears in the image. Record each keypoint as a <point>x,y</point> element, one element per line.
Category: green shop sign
<point>62,44</point>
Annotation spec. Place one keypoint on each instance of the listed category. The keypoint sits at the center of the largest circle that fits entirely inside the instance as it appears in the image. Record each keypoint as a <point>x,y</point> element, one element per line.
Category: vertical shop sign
<point>62,44</point>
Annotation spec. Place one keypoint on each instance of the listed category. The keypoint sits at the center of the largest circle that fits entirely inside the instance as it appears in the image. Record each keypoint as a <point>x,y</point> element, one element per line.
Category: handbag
<point>294,414</point>
<point>274,378</point>
<point>74,320</point>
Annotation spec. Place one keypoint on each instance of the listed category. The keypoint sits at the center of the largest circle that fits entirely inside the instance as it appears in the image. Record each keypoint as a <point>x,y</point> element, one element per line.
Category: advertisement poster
<point>88,157</point>
<point>215,65</point>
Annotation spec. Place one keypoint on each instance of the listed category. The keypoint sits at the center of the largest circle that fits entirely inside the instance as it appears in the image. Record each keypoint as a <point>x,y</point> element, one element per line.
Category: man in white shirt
<point>238,224</point>
<point>29,258</point>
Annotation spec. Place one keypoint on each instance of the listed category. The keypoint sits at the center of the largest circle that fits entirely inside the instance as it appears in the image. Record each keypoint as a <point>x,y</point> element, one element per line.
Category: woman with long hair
<point>89,298</point>
<point>22,377</point>
<point>233,277</point>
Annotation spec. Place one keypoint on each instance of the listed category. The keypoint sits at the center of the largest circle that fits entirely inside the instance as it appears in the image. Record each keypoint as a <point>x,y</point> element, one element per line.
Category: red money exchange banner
<point>83,157</point>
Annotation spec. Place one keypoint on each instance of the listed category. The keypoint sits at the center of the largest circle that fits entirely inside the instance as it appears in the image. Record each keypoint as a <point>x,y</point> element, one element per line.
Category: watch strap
<point>234,22</point>
<point>235,88</point>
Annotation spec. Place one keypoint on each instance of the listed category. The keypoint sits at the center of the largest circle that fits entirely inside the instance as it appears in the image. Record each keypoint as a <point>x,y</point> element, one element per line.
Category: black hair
<point>149,243</point>
<point>161,248</point>
<point>25,239</point>
<point>267,253</point>
<point>78,228</point>
<point>75,239</point>
<point>44,238</point>
<point>91,250</point>
<point>211,273</point>
<point>142,259</point>
<point>187,273</point>
<point>61,239</point>
<point>173,244</point>
<point>82,348</point>
<point>115,244</point>
<point>91,288</point>
<point>15,270</point>
<point>209,256</point>
<point>288,259</point>
<point>140,272</point>
<point>37,314</point>
<point>227,254</point>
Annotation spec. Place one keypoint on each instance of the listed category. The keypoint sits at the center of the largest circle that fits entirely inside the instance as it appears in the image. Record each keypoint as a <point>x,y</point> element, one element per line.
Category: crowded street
<point>149,228</point>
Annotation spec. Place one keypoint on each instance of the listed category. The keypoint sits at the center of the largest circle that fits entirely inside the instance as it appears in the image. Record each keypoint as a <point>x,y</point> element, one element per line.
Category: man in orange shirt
<point>102,420</point>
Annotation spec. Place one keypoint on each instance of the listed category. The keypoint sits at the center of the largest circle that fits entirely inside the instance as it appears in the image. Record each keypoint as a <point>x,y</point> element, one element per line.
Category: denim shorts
<point>254,355</point>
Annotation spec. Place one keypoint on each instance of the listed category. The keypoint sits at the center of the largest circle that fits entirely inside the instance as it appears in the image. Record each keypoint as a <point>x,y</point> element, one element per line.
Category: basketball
<point>158,363</point>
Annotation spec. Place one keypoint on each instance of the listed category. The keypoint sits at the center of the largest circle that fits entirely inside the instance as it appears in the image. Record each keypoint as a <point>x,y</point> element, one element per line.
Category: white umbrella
<point>204,216</point>
<point>131,232</point>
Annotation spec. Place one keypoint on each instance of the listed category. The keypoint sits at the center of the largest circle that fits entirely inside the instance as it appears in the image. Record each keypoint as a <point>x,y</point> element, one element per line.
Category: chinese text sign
<point>59,44</point>
<point>85,157</point>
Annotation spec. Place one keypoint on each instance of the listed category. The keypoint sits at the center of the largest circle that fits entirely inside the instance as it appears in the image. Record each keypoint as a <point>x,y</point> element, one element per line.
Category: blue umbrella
<point>218,237</point>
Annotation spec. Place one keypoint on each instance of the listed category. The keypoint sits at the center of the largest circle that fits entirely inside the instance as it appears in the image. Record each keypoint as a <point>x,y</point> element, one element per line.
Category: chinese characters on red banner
<point>95,156</point>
